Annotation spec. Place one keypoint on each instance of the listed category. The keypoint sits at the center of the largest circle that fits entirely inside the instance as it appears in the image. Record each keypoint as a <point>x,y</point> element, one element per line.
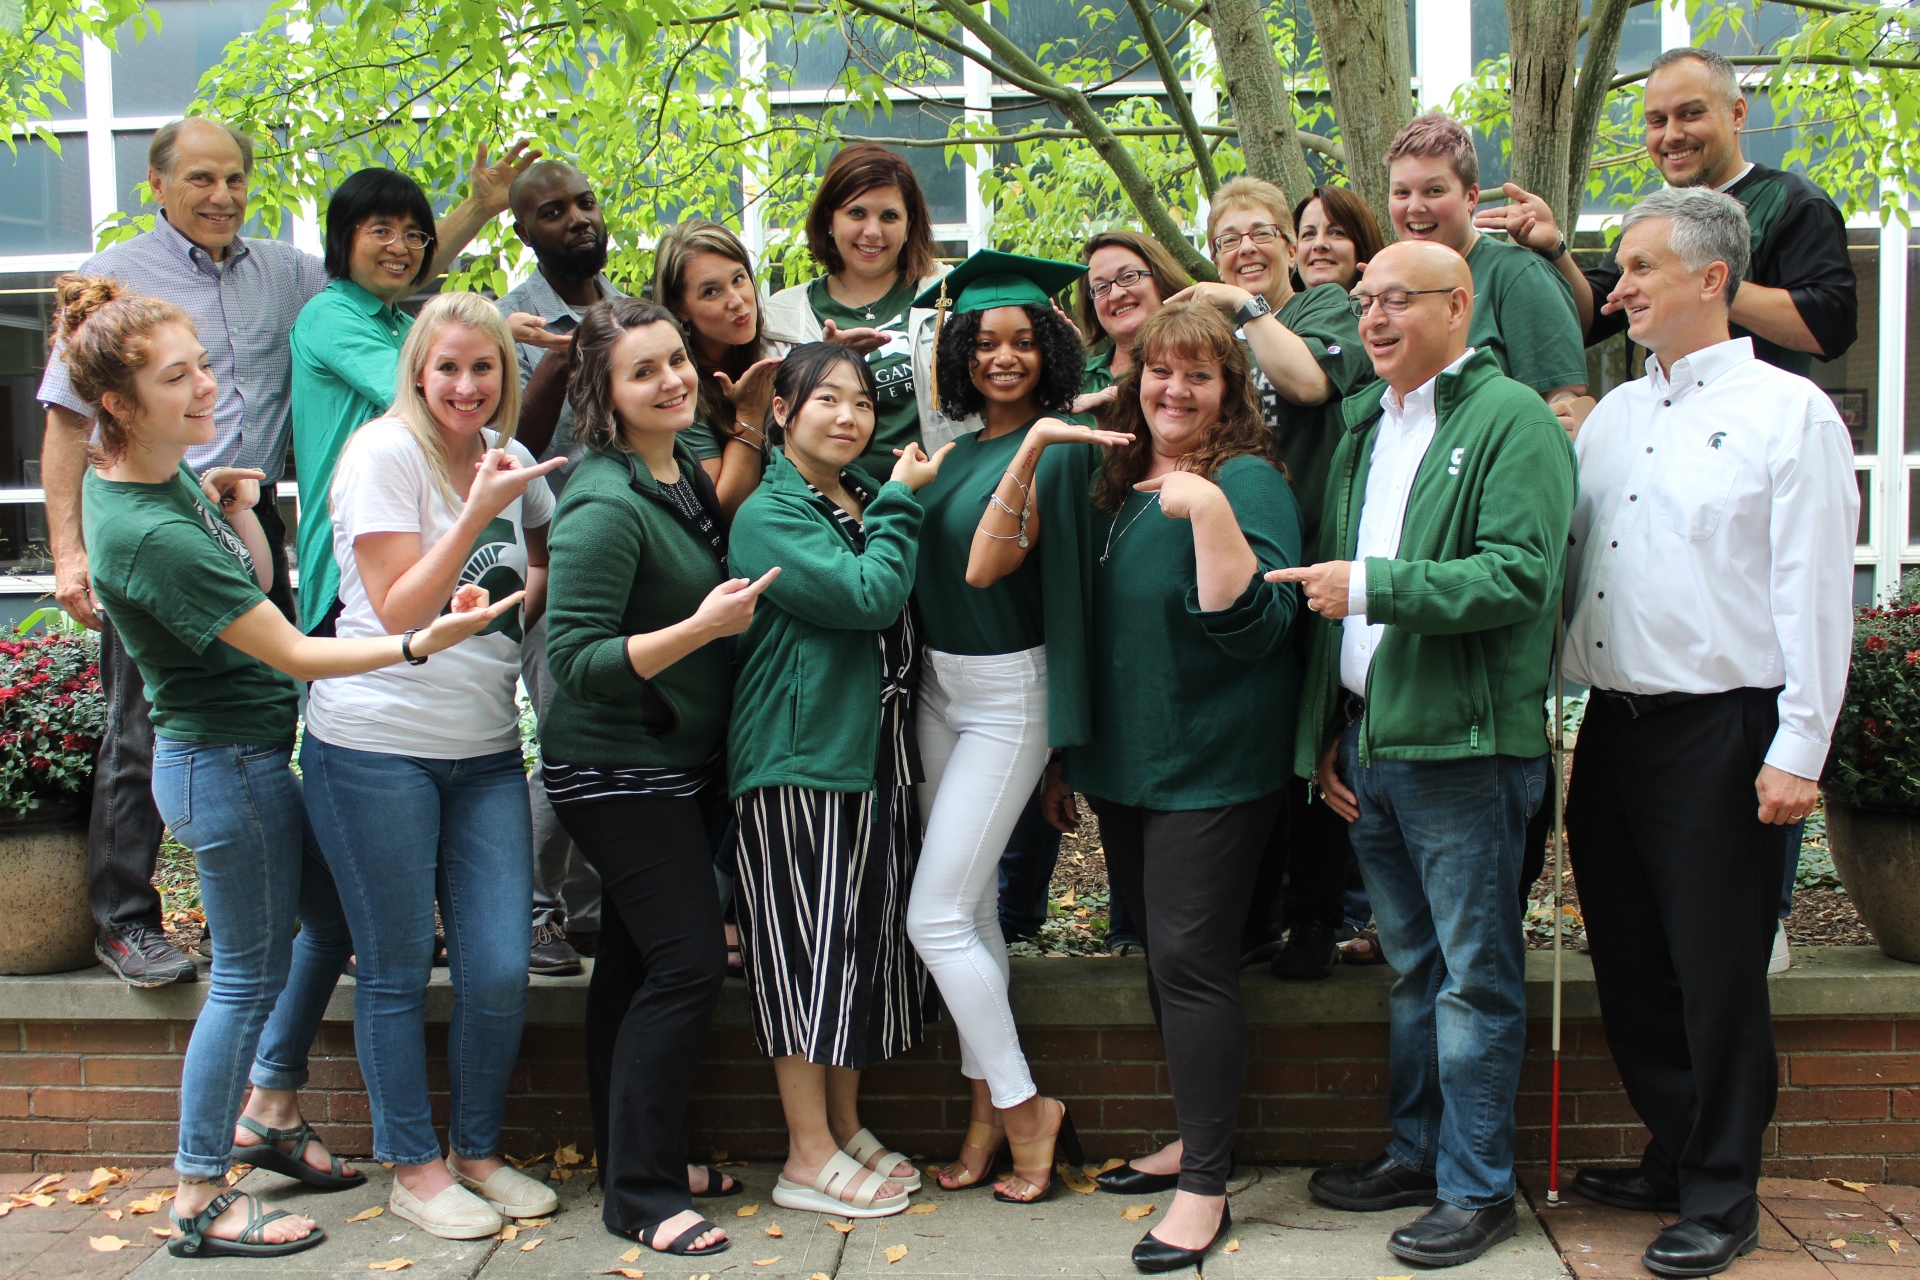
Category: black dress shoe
<point>1447,1235</point>
<point>1377,1184</point>
<point>1689,1248</point>
<point>1155,1254</point>
<point>1129,1181</point>
<point>1626,1189</point>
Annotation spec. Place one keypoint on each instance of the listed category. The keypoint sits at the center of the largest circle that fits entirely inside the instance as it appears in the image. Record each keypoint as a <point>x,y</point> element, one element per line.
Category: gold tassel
<point>939,319</point>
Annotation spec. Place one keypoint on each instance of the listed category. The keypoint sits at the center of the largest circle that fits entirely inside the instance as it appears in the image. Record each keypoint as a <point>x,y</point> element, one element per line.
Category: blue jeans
<point>1026,870</point>
<point>239,809</point>
<point>1439,843</point>
<point>401,833</point>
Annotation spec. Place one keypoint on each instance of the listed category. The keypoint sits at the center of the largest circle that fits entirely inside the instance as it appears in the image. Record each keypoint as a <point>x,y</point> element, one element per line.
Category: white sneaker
<point>1782,953</point>
<point>455,1214</point>
<point>511,1192</point>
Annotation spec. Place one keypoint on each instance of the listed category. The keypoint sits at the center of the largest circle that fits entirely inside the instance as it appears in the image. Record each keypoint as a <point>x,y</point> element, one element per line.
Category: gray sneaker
<point>142,957</point>
<point>553,956</point>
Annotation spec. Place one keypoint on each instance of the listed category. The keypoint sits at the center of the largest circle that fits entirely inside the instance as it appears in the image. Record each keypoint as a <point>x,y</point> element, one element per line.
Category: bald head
<point>557,215</point>
<point>1410,347</point>
<point>538,180</point>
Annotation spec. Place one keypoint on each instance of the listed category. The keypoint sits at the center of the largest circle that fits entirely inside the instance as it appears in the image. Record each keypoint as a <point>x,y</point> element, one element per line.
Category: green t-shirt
<point>172,576</point>
<point>897,415</point>
<point>1045,601</point>
<point>1307,433</point>
<point>1523,312</point>
<point>704,439</point>
<point>1191,710</point>
<point>346,350</point>
<point>1098,377</point>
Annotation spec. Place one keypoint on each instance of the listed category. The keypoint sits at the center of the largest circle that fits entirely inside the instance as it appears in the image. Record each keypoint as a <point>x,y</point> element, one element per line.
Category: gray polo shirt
<point>244,308</point>
<point>535,296</point>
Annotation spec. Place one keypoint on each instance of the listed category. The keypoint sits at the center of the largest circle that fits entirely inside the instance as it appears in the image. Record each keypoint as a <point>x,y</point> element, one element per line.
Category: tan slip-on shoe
<point>455,1214</point>
<point>512,1193</point>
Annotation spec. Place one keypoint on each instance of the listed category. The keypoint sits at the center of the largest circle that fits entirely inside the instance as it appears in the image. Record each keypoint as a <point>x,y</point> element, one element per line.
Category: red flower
<point>1913,657</point>
<point>38,764</point>
<point>1871,725</point>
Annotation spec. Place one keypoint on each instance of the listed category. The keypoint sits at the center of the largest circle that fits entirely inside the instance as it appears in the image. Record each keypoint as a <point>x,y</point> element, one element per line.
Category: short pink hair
<point>1437,134</point>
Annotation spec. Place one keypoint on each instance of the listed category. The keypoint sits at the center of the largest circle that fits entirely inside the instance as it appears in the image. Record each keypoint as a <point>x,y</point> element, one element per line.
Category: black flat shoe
<point>1377,1184</point>
<point>1129,1181</point>
<point>1447,1235</point>
<point>1689,1248</point>
<point>682,1244</point>
<point>717,1187</point>
<point>1626,1189</point>
<point>1155,1254</point>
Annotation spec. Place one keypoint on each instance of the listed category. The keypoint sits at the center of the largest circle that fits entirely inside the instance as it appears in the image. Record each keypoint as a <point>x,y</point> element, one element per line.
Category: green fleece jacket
<point>623,562</point>
<point>806,709</point>
<point>1470,601</point>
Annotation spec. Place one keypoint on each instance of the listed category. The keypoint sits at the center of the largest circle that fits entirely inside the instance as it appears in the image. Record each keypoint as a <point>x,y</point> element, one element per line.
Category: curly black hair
<point>1063,363</point>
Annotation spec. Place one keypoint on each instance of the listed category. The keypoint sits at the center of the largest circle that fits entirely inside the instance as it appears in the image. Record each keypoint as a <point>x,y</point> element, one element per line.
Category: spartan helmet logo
<point>1713,441</point>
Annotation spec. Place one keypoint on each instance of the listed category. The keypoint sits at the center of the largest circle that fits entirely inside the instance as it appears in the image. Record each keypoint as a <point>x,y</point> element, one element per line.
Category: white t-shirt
<point>461,703</point>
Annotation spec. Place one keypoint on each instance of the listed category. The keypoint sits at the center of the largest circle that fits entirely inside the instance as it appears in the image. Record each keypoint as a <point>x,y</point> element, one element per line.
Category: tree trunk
<point>1262,105</point>
<point>1364,46</point>
<point>1604,25</point>
<point>1544,35</point>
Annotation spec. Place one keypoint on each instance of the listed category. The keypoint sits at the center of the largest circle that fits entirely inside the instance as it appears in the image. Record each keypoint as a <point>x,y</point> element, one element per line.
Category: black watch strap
<point>1557,252</point>
<point>1252,309</point>
<point>406,649</point>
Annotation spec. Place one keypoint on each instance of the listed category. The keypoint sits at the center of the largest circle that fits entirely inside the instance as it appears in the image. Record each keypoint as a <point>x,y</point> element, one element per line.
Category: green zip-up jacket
<point>1471,600</point>
<point>806,710</point>
<point>624,562</point>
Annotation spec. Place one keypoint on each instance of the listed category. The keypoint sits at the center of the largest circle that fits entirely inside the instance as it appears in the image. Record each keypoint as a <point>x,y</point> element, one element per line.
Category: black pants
<point>1303,870</point>
<point>1191,871</point>
<point>124,827</point>
<point>656,980</point>
<point>1026,870</point>
<point>1680,885</point>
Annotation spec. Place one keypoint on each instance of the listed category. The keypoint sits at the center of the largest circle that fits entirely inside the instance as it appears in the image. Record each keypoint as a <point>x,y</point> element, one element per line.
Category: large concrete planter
<point>1877,853</point>
<point>48,927</point>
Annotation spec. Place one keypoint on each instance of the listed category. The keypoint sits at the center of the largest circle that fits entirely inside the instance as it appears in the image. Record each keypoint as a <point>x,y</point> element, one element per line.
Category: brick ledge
<point>1829,982</point>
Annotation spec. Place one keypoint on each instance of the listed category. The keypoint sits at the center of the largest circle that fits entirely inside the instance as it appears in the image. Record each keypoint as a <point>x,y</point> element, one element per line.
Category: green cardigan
<point>806,710</point>
<point>624,562</point>
<point>1471,600</point>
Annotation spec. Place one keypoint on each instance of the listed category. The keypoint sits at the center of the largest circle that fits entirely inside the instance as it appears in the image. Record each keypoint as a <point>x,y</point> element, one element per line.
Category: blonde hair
<point>1251,193</point>
<point>105,328</point>
<point>447,311</point>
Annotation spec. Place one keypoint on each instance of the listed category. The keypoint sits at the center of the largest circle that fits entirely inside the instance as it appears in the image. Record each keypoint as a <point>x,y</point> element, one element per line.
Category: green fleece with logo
<point>1471,599</point>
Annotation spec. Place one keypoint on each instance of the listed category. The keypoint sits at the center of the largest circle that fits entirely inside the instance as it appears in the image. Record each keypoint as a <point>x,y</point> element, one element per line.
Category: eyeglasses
<point>1392,301</point>
<point>380,233</point>
<point>1262,233</point>
<point>1131,276</point>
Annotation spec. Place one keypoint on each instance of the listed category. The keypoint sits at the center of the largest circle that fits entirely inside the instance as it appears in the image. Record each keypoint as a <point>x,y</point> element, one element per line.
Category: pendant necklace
<point>1111,538</point>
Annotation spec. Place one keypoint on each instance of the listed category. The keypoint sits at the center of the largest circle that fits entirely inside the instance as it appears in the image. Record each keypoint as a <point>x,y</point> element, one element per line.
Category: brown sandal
<point>981,1136</point>
<point>1363,948</point>
<point>1037,1158</point>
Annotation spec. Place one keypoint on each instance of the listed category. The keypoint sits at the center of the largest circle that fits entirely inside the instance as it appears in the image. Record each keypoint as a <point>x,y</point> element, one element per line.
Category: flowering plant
<point>52,713</point>
<point>1875,758</point>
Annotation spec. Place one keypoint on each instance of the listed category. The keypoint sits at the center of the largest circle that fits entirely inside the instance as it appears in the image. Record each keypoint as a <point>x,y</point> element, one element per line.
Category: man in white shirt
<point>1711,610</point>
<point>1443,539</point>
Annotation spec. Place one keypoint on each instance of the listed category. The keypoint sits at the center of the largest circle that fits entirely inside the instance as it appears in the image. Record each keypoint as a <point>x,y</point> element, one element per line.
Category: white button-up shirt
<point>1713,542</point>
<point>1400,443</point>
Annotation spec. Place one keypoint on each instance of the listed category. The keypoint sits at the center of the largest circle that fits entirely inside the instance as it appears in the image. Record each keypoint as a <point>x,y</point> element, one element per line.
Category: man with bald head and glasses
<point>1442,545</point>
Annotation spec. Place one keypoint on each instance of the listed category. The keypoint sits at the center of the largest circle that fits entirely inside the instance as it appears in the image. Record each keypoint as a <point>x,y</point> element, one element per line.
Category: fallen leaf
<point>6,1207</point>
<point>391,1264</point>
<point>367,1215</point>
<point>895,1252</point>
<point>1135,1212</point>
<point>531,1245</point>
<point>1393,1278</point>
<point>238,1172</point>
<point>563,1174</point>
<point>509,1232</point>
<point>518,1163</point>
<point>528,1224</point>
<point>1837,1215</point>
<point>106,1176</point>
<point>113,1215</point>
<point>567,1155</point>
<point>1894,1245</point>
<point>1233,1246</point>
<point>631,1255</point>
<point>1068,900</point>
<point>43,1200</point>
<point>718,1156</point>
<point>776,1232</point>
<point>149,1203</point>
<point>765,1262</point>
<point>1076,1179</point>
<point>1838,1246</point>
<point>819,1275</point>
<point>554,1175</point>
<point>628,1272</point>
<point>165,1233</point>
<point>42,1183</point>
<point>77,1196</point>
<point>841,1227</point>
<point>920,1208</point>
<point>746,1211</point>
<point>1842,1182</point>
<point>107,1244</point>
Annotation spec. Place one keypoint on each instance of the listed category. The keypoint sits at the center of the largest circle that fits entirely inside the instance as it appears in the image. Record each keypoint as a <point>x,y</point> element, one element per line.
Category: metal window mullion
<point>977,86</point>
<point>1891,408</point>
<point>96,68</point>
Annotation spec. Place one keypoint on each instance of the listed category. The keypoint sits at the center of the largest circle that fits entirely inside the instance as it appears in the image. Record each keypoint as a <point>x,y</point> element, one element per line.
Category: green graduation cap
<point>993,279</point>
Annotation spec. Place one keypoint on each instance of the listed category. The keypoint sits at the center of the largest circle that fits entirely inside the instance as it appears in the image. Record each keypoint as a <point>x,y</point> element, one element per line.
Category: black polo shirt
<point>1799,244</point>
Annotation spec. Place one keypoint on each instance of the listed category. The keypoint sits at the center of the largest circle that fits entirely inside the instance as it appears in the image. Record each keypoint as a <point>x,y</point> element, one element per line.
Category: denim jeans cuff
<point>191,1166</point>
<point>1471,1203</point>
<point>472,1155</point>
<point>267,1075</point>
<point>1405,1157</point>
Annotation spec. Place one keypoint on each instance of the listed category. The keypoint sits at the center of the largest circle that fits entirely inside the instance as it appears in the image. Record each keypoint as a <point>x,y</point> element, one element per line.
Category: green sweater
<point>1191,710</point>
<point>624,562</point>
<point>806,712</point>
<point>1470,601</point>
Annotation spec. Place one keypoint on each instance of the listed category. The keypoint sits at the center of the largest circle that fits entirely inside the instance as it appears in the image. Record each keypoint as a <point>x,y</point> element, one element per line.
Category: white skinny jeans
<point>982,725</point>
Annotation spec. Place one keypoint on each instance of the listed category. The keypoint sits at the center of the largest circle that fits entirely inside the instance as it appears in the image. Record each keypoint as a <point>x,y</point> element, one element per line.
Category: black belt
<point>1352,706</point>
<point>1636,706</point>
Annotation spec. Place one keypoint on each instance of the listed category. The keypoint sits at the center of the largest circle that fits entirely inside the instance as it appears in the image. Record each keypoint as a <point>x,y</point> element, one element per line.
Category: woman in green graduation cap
<point>988,709</point>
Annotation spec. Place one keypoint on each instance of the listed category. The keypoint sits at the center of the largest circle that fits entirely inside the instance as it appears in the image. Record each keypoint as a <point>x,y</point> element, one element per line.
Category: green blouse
<point>1191,710</point>
<point>1043,602</point>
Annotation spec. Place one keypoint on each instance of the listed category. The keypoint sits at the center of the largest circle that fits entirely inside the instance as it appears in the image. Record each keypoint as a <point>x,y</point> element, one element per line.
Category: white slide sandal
<point>873,1153</point>
<point>829,1192</point>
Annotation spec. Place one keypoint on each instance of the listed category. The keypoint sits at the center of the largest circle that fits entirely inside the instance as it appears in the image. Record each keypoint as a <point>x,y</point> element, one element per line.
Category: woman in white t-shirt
<point>413,774</point>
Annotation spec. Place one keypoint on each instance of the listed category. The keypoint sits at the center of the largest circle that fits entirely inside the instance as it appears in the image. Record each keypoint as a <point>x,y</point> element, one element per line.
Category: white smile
<point>1422,228</point>
<point>1122,308</point>
<point>465,406</point>
<point>674,403</point>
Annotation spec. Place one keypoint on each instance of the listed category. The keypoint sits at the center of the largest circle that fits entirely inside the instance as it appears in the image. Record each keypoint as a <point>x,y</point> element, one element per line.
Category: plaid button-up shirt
<point>244,308</point>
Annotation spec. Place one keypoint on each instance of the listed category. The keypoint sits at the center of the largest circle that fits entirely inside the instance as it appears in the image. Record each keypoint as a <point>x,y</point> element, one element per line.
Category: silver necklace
<point>1111,538</point>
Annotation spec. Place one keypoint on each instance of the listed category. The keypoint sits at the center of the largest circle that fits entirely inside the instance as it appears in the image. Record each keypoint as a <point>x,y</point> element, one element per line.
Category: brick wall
<point>78,1094</point>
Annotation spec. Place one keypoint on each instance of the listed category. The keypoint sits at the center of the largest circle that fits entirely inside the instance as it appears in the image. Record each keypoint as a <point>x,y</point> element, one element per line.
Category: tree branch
<point>1311,141</point>
<point>1177,94</point>
<point>1608,19</point>
<point>1792,60</point>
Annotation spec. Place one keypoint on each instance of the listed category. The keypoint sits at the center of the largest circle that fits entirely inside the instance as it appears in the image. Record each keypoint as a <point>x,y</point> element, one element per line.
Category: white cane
<point>1556,756</point>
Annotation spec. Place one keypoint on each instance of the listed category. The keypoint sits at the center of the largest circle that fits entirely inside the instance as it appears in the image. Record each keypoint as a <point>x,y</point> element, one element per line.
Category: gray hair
<point>1703,226</point>
<point>160,153</point>
<point>1721,76</point>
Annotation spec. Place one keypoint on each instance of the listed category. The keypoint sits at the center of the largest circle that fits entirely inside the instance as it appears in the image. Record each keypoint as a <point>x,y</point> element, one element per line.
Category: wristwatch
<point>1557,252</point>
<point>1252,309</point>
<point>406,649</point>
